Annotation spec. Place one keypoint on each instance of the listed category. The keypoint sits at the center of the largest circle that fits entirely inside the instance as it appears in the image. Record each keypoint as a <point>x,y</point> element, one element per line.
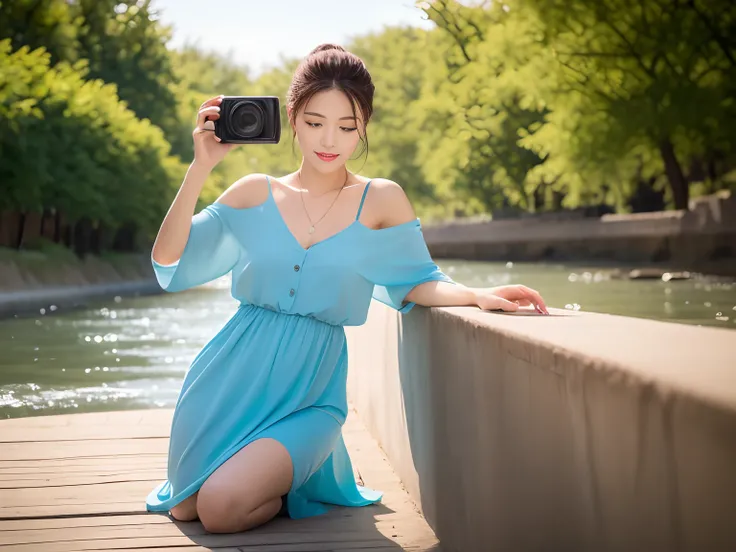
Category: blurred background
<point>480,106</point>
<point>537,112</point>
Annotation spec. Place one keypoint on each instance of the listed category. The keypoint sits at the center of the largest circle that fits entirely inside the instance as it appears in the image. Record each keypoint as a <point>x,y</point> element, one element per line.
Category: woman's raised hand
<point>208,151</point>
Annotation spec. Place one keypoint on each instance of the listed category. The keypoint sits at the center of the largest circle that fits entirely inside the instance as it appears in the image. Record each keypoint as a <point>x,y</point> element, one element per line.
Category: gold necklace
<point>301,195</point>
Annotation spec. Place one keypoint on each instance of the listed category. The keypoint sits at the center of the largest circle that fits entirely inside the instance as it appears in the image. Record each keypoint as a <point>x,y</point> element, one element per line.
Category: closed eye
<point>346,129</point>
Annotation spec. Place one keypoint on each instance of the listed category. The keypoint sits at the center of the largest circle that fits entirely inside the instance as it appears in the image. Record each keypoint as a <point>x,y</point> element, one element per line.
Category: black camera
<point>249,120</point>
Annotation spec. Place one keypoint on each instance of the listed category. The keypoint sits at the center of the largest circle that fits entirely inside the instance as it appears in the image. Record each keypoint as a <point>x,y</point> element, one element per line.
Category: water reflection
<point>128,353</point>
<point>699,300</point>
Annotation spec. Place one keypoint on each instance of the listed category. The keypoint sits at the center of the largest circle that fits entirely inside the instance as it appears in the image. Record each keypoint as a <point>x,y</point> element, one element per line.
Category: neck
<point>320,183</point>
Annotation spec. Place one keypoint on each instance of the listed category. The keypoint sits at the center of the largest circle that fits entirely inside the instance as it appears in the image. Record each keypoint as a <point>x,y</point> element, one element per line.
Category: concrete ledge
<point>576,431</point>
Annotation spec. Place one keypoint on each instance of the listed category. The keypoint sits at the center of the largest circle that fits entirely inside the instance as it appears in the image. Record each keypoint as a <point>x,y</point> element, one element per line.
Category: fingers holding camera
<point>215,100</point>
<point>206,117</point>
<point>209,108</point>
<point>207,148</point>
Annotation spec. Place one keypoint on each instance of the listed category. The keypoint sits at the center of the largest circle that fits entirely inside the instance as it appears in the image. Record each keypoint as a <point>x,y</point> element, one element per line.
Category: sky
<point>258,32</point>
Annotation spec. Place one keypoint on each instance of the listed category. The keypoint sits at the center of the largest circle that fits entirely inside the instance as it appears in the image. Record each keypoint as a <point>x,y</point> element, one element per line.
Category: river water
<point>132,352</point>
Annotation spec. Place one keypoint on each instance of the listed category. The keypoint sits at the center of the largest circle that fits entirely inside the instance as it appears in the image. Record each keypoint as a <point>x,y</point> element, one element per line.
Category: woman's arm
<point>443,294</point>
<point>506,298</point>
<point>174,232</point>
<point>208,152</point>
<point>395,208</point>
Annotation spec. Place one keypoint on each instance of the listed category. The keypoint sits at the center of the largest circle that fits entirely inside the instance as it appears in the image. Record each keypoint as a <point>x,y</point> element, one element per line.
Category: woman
<point>260,412</point>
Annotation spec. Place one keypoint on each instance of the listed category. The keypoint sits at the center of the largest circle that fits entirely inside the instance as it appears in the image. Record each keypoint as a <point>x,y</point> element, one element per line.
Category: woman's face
<point>326,126</point>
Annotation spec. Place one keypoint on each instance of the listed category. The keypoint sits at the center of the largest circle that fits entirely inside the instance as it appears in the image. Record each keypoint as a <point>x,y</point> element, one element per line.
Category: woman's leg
<point>246,490</point>
<point>186,510</point>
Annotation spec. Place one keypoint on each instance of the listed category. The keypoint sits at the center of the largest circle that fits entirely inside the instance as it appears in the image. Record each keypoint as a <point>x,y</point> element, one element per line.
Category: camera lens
<point>247,119</point>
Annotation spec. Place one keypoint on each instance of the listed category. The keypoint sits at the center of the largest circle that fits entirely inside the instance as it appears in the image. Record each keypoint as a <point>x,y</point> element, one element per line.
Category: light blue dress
<point>278,367</point>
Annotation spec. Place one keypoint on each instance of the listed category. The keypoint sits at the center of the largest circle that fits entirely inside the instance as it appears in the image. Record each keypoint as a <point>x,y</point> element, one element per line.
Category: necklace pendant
<point>311,229</point>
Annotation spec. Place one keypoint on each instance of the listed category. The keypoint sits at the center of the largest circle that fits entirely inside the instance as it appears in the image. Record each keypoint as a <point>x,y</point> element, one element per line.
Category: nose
<point>327,139</point>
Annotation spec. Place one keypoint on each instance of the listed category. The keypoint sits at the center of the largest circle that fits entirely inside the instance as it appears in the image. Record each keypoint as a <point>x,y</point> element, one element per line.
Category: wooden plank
<point>24,471</point>
<point>337,516</point>
<point>250,539</point>
<point>81,494</point>
<point>69,465</point>
<point>115,418</point>
<point>100,509</point>
<point>70,485</point>
<point>82,449</point>
<point>92,433</point>
<point>50,480</point>
<point>279,531</point>
<point>126,424</point>
<point>131,506</point>
<point>82,521</point>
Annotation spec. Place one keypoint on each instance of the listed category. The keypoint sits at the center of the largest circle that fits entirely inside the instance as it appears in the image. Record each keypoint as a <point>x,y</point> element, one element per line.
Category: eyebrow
<point>319,115</point>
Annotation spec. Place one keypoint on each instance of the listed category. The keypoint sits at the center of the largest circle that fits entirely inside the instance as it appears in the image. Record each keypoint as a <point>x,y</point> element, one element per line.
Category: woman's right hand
<point>208,151</point>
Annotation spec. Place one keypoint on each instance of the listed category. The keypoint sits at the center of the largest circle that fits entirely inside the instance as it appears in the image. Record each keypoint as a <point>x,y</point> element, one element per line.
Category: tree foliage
<point>515,105</point>
<point>627,91</point>
<point>69,144</point>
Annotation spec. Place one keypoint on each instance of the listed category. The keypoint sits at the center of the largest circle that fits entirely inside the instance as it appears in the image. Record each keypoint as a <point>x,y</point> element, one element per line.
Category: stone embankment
<point>702,239</point>
<point>31,281</point>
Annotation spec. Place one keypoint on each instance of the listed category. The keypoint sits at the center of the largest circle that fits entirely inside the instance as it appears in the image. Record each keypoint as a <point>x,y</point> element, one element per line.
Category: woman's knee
<point>216,508</point>
<point>219,518</point>
<point>255,476</point>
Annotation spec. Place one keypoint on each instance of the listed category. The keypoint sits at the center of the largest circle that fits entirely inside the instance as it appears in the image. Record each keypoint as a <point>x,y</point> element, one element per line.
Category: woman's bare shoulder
<point>389,204</point>
<point>248,191</point>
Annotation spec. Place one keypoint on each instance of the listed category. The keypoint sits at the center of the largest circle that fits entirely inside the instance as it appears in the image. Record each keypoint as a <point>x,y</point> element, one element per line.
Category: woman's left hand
<point>510,298</point>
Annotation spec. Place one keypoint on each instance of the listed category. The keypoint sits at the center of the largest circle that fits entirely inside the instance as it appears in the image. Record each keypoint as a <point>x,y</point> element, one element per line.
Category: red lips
<point>326,156</point>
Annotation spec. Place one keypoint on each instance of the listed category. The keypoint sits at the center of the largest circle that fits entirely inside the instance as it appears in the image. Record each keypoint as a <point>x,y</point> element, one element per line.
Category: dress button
<point>291,292</point>
<point>296,268</point>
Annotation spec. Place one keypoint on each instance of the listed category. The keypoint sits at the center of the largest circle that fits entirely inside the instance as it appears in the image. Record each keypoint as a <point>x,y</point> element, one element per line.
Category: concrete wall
<point>703,238</point>
<point>575,431</point>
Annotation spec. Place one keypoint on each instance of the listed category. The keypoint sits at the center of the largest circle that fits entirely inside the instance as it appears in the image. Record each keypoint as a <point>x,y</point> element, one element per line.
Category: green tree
<point>627,92</point>
<point>200,75</point>
<point>399,60</point>
<point>70,146</point>
<point>663,72</point>
<point>51,24</point>
<point>125,44</point>
<point>487,106</point>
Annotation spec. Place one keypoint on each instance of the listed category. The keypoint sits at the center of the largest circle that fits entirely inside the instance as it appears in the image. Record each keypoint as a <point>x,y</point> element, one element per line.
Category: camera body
<point>249,120</point>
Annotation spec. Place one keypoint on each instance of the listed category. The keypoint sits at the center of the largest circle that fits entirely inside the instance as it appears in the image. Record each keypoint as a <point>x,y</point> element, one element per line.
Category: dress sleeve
<point>211,251</point>
<point>398,262</point>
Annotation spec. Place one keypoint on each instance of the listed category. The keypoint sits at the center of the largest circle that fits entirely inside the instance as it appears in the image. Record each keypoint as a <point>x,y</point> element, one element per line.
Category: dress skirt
<point>266,375</point>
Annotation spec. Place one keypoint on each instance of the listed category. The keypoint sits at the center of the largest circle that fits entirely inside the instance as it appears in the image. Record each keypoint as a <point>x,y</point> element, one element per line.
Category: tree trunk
<point>57,226</point>
<point>675,176</point>
<point>47,224</point>
<point>645,198</point>
<point>21,230</point>
<point>125,238</point>
<point>82,236</point>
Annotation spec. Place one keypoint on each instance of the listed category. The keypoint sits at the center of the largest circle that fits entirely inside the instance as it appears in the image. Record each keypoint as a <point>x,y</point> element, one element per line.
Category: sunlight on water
<point>128,353</point>
<point>700,300</point>
<point>133,352</point>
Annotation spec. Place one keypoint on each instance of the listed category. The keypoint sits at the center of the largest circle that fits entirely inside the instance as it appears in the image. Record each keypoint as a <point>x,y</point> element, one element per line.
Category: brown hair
<point>329,67</point>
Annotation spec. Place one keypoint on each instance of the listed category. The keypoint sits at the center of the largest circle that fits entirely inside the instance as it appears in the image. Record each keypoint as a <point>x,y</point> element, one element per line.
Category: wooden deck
<point>79,482</point>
